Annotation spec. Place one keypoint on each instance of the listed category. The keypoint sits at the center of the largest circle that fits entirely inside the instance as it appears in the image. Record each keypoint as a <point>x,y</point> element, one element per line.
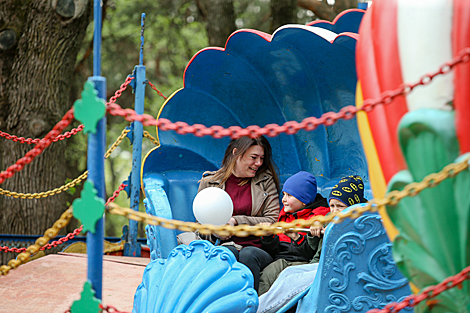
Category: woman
<point>249,177</point>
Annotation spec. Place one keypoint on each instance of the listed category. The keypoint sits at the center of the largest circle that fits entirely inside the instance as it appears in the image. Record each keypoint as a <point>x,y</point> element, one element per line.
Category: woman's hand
<point>317,229</point>
<point>232,222</point>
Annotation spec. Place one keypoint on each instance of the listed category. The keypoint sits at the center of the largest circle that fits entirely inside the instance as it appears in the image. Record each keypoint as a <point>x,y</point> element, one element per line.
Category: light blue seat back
<point>170,178</point>
<point>195,279</point>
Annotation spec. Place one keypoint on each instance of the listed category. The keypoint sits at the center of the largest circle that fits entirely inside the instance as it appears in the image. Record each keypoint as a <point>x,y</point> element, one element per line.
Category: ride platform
<point>52,283</point>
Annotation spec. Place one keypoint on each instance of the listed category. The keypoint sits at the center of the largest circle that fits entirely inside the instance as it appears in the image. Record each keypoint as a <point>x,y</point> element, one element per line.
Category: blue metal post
<point>140,82</point>
<point>95,164</point>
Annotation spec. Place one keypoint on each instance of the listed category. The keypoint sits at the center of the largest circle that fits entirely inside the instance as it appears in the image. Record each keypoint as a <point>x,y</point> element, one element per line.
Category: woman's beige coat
<point>265,197</point>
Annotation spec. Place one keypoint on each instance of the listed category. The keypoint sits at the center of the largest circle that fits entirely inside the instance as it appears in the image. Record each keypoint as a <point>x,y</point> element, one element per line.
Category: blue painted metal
<point>297,74</point>
<point>142,27</point>
<point>170,178</point>
<point>95,166</point>
<point>132,248</point>
<point>362,5</point>
<point>95,162</point>
<point>196,278</point>
<point>356,272</point>
<point>253,81</point>
<point>97,16</point>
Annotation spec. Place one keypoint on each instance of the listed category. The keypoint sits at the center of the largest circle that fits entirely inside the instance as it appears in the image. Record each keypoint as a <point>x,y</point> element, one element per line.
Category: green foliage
<point>434,225</point>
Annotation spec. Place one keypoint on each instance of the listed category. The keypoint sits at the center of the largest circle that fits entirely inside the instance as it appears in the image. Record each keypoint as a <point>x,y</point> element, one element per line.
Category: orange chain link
<point>37,150</point>
<point>158,91</point>
<point>291,127</point>
<point>429,292</point>
<point>36,141</point>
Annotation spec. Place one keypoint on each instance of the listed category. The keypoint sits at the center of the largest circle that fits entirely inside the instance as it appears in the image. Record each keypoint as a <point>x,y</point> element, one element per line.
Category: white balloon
<point>213,206</point>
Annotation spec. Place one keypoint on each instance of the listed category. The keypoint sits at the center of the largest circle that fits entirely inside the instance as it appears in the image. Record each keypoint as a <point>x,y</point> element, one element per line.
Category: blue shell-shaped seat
<point>195,279</point>
<point>356,272</point>
<point>258,79</point>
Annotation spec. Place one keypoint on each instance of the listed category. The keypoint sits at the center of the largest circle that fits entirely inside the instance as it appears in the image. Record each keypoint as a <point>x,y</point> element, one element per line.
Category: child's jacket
<point>282,246</point>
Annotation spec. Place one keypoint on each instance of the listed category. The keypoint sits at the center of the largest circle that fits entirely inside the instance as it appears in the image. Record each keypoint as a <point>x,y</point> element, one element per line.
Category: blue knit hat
<point>303,186</point>
<point>349,190</point>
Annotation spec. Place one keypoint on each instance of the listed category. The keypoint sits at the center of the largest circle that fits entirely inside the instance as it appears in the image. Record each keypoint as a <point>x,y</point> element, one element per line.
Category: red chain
<point>116,193</point>
<point>49,245</point>
<point>291,127</point>
<point>158,91</point>
<point>70,235</point>
<point>36,141</point>
<point>110,309</point>
<point>429,292</point>
<point>46,141</point>
<point>43,144</point>
<point>105,308</point>
<point>118,92</point>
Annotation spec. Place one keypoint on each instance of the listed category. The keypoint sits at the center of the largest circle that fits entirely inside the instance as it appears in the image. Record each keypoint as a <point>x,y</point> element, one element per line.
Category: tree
<point>220,20</point>
<point>283,12</point>
<point>39,42</point>
<point>324,11</point>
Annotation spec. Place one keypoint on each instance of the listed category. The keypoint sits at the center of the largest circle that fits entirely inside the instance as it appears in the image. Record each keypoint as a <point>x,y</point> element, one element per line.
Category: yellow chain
<point>117,142</point>
<point>45,193</point>
<point>40,242</point>
<point>152,139</point>
<point>71,184</point>
<point>392,198</point>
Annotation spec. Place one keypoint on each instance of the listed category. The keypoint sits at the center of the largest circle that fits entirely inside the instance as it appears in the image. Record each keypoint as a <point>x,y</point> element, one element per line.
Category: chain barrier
<point>83,176</point>
<point>30,141</point>
<point>51,245</point>
<point>71,184</point>
<point>429,292</point>
<point>158,91</point>
<point>50,137</point>
<point>152,139</point>
<point>110,309</point>
<point>291,127</point>
<point>43,144</point>
<point>115,194</point>
<point>105,308</point>
<point>391,198</point>
<point>40,242</point>
<point>44,194</point>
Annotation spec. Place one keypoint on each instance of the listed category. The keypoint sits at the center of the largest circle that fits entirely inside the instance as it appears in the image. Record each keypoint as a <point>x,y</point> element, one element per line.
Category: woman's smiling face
<point>248,164</point>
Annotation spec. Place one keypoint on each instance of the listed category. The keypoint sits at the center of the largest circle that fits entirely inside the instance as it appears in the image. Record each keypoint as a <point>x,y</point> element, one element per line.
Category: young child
<point>349,191</point>
<point>301,201</point>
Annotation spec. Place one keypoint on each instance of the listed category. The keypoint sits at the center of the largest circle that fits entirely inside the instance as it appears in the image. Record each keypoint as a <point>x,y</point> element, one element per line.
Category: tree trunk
<point>220,20</point>
<point>39,42</point>
<point>282,12</point>
<point>324,11</point>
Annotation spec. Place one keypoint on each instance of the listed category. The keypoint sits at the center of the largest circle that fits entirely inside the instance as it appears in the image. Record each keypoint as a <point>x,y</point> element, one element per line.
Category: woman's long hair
<point>242,144</point>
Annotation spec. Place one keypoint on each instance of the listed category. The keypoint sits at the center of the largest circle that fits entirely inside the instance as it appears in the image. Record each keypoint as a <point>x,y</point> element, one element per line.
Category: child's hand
<point>317,229</point>
<point>293,235</point>
<point>265,224</point>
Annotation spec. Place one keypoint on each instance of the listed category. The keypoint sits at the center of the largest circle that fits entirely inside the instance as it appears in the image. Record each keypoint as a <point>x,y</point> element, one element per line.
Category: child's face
<point>337,206</point>
<point>291,203</point>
